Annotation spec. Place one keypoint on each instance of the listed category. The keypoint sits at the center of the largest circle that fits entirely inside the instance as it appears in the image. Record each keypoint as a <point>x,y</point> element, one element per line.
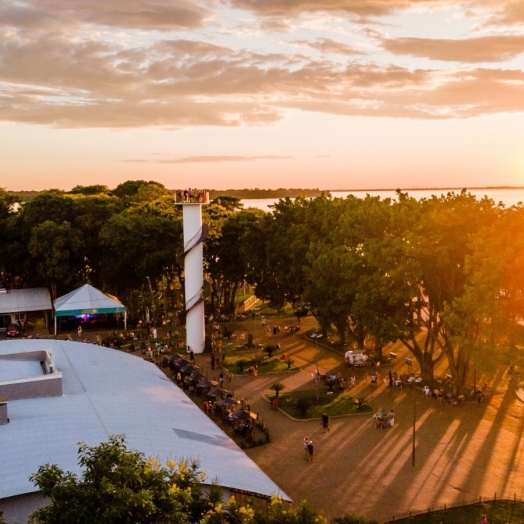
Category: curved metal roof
<point>110,392</point>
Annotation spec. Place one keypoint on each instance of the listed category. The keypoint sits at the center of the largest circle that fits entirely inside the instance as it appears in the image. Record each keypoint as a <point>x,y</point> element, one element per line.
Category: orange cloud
<point>161,15</point>
<point>327,45</point>
<point>60,66</point>
<point>507,13</point>
<point>360,8</point>
<point>483,49</point>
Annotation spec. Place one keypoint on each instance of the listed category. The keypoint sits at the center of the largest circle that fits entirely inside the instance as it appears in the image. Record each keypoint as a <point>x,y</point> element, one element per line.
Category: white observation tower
<point>194,234</point>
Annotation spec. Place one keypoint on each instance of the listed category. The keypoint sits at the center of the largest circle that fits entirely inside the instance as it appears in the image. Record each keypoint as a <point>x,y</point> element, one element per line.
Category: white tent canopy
<point>87,300</point>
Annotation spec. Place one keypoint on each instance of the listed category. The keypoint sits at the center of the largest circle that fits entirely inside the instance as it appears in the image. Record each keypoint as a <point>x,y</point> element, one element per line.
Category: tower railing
<point>195,299</point>
<point>200,236</point>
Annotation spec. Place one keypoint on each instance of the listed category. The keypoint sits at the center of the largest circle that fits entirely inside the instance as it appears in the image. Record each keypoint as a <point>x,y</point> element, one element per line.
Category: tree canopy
<point>441,274</point>
<point>122,486</point>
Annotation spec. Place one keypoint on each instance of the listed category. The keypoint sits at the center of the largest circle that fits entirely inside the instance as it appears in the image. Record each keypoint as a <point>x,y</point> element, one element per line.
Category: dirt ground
<point>461,453</point>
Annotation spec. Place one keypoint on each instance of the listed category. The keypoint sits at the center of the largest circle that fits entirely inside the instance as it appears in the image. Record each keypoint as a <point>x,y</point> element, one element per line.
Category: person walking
<point>325,421</point>
<point>484,520</point>
<point>306,449</point>
<point>310,450</point>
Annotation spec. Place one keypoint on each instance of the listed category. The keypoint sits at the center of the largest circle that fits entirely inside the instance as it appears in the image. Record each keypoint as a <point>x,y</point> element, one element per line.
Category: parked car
<point>13,330</point>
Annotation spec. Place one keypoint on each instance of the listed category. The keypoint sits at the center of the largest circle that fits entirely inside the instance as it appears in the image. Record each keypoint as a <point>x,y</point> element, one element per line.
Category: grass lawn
<point>274,364</point>
<point>497,512</point>
<point>338,404</point>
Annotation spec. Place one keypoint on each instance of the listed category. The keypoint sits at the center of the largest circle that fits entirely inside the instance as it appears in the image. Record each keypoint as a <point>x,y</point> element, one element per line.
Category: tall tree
<point>226,259</point>
<point>7,208</point>
<point>140,243</point>
<point>120,486</point>
<point>56,253</point>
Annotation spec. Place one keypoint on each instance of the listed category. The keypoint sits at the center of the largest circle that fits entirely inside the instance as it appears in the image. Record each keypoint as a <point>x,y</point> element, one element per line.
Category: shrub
<point>270,349</point>
<point>303,405</point>
<point>277,387</point>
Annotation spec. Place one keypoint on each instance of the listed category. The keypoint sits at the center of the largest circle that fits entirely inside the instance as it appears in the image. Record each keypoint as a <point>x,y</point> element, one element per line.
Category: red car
<point>13,330</point>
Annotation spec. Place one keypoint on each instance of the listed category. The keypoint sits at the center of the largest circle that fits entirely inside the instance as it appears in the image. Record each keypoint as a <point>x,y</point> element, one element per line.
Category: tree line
<point>442,275</point>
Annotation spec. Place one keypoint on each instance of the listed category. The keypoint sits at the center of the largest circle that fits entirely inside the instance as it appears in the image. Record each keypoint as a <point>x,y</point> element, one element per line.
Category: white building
<point>82,392</point>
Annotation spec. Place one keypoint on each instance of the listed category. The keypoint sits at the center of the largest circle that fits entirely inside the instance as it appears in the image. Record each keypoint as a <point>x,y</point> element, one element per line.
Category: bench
<point>392,356</point>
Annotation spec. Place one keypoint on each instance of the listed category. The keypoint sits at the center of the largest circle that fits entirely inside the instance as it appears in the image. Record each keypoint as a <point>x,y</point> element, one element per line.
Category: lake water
<point>509,197</point>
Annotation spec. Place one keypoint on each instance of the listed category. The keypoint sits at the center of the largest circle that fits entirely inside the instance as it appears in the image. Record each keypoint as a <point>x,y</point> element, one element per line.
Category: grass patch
<point>275,364</point>
<point>497,512</point>
<point>338,404</point>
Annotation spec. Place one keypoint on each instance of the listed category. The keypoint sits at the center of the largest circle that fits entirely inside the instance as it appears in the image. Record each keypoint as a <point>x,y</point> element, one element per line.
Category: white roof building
<point>96,392</point>
<point>23,300</point>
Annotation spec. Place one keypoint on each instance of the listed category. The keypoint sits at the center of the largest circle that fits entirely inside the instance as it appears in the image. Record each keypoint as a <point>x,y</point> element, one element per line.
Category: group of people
<point>308,449</point>
<point>384,420</point>
<point>191,195</point>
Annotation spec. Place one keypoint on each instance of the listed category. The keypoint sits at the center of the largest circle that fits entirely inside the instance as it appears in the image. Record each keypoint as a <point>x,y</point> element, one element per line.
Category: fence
<point>396,518</point>
<point>248,304</point>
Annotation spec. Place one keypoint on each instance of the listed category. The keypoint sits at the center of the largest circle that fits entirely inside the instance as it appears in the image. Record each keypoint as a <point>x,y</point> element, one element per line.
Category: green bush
<point>303,405</point>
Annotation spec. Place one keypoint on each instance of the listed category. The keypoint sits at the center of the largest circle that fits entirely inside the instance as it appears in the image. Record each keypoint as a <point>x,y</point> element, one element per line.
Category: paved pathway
<point>461,453</point>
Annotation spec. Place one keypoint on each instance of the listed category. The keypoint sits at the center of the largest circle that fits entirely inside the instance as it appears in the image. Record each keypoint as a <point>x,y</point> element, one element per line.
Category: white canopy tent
<point>87,300</point>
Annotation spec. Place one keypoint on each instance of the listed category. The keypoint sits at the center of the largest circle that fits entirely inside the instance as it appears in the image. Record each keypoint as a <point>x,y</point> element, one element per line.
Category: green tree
<point>485,321</point>
<point>277,387</point>
<point>229,202</point>
<point>134,192</point>
<point>140,243</point>
<point>91,213</point>
<point>7,202</point>
<point>443,246</point>
<point>225,253</point>
<point>96,189</point>
<point>120,486</point>
<point>279,247</point>
<point>56,253</point>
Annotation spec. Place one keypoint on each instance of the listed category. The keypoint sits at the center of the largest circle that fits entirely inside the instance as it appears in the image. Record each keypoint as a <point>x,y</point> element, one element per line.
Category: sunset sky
<point>330,94</point>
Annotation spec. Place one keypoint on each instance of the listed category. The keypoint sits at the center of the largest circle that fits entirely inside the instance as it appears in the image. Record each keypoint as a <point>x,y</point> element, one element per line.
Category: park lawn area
<point>338,404</point>
<point>496,511</point>
<point>274,364</point>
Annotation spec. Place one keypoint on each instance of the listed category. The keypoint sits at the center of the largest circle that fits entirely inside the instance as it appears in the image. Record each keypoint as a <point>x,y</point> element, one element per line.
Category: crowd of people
<point>191,195</point>
<point>384,420</point>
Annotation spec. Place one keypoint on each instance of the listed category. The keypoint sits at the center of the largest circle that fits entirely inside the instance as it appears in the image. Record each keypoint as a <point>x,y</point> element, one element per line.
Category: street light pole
<point>316,336</point>
<point>414,419</point>
<point>254,341</point>
<point>153,306</point>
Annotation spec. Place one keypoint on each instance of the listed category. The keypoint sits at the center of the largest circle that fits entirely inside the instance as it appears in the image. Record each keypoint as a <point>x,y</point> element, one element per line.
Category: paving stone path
<point>461,453</point>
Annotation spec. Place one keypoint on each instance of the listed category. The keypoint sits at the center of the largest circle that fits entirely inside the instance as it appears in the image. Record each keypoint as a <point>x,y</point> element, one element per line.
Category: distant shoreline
<point>475,188</point>
<point>264,194</point>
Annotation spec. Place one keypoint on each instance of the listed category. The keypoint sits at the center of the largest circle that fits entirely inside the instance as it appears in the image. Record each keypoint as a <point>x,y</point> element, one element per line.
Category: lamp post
<point>316,336</point>
<point>414,420</point>
<point>255,310</point>
<point>153,306</point>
